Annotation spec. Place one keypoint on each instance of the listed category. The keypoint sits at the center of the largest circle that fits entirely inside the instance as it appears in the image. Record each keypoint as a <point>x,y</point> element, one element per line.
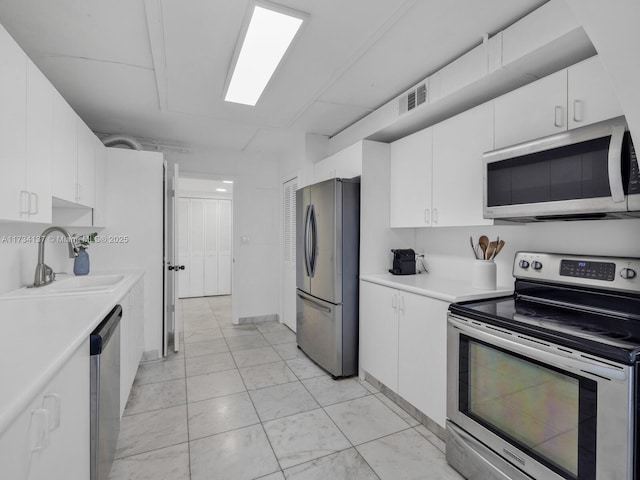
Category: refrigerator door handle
<point>307,226</point>
<point>314,242</point>
<point>315,305</point>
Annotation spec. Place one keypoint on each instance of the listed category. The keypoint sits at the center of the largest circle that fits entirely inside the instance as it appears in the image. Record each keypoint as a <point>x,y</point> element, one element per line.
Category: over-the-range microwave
<point>587,173</point>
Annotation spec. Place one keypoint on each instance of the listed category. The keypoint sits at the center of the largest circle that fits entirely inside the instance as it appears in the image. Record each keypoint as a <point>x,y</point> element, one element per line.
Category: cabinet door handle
<point>394,301</point>
<point>401,303</point>
<point>435,216</point>
<point>578,114</point>
<point>39,429</point>
<point>24,202</point>
<point>36,203</point>
<point>51,402</point>
<point>558,116</point>
<point>427,216</point>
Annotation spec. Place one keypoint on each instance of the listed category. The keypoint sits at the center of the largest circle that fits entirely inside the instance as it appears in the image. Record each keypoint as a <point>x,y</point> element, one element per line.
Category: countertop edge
<point>22,400</point>
<point>467,292</point>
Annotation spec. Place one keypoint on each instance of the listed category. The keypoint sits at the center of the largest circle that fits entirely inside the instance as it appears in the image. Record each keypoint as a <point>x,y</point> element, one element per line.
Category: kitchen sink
<point>69,286</point>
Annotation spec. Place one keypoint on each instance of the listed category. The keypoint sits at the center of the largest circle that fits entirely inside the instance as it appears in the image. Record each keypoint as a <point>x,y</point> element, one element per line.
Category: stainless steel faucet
<point>44,274</point>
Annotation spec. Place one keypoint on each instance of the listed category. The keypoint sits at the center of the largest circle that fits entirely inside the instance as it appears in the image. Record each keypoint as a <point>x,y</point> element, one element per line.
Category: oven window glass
<point>567,173</point>
<point>545,412</point>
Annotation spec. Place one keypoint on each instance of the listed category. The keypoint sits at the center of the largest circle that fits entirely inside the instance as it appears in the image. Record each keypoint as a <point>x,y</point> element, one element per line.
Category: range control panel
<point>605,272</point>
<point>582,269</point>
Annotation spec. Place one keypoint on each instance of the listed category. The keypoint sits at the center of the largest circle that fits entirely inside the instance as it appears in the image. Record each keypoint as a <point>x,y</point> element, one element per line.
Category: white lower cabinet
<point>50,438</point>
<point>403,339</point>
<point>379,333</point>
<point>131,339</point>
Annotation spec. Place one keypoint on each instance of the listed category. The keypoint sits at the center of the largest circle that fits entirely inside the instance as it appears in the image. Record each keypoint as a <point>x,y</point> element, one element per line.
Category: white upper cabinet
<point>346,163</point>
<point>410,180</point>
<point>533,111</point>
<point>591,95</point>
<point>39,139</point>
<point>13,93</point>
<point>100,206</point>
<point>86,180</point>
<point>458,145</point>
<point>65,150</point>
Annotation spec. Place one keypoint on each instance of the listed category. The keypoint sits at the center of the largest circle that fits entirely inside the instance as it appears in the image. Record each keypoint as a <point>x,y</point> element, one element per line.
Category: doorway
<point>205,237</point>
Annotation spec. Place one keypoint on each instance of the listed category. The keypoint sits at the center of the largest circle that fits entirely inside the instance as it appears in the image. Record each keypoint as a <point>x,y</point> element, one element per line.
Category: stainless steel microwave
<point>586,173</point>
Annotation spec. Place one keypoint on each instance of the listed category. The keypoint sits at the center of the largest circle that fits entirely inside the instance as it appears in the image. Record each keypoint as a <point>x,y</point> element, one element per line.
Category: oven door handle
<point>537,352</point>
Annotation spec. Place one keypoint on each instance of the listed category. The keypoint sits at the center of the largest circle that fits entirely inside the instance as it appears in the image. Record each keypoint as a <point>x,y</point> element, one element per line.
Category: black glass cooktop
<point>598,323</point>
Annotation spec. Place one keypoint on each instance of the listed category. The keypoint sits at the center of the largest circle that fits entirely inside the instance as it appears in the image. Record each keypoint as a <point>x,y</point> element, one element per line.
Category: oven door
<point>551,412</point>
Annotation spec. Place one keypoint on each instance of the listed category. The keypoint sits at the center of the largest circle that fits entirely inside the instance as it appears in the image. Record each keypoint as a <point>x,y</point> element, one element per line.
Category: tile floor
<point>242,402</point>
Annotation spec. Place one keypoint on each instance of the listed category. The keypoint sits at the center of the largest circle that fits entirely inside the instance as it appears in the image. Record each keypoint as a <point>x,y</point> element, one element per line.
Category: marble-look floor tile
<point>260,376</point>
<point>274,476</point>
<point>152,430</point>
<point>347,464</point>
<point>221,414</point>
<point>354,418</point>
<point>205,364</point>
<point>282,400</point>
<point>242,454</point>
<point>272,326</point>
<point>289,350</point>
<point>203,335</point>
<point>276,338</point>
<point>368,386</point>
<point>160,371</point>
<point>304,368</point>
<point>243,342</point>
<point>406,455</point>
<point>209,347</point>
<point>432,437</point>
<point>170,463</point>
<point>219,384</point>
<point>328,391</point>
<point>154,396</point>
<point>239,330</point>
<point>255,356</point>
<point>397,409</point>
<point>306,436</point>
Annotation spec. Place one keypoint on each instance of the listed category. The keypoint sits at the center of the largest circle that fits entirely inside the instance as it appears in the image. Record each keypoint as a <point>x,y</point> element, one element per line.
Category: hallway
<point>243,402</point>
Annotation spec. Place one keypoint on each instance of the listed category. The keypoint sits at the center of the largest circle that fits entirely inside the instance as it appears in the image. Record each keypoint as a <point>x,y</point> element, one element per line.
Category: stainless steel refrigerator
<point>328,242</point>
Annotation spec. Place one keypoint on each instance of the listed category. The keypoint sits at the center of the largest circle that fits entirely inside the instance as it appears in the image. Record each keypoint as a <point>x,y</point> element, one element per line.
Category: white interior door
<point>184,235</point>
<point>289,254</point>
<point>211,241</point>
<point>171,260</point>
<point>225,232</point>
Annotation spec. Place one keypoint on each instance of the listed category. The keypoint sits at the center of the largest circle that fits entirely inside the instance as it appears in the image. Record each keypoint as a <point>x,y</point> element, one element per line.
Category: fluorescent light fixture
<point>227,181</point>
<point>267,38</point>
<point>221,189</point>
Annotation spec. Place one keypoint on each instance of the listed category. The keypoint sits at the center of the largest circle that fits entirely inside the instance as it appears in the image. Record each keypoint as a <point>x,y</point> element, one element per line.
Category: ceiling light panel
<point>269,34</point>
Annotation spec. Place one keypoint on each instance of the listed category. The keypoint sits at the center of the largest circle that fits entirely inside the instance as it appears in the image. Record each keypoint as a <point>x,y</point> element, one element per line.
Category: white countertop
<point>428,285</point>
<point>41,334</point>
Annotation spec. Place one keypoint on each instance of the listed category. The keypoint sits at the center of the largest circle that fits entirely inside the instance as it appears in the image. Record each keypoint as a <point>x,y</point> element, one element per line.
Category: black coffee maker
<point>404,262</point>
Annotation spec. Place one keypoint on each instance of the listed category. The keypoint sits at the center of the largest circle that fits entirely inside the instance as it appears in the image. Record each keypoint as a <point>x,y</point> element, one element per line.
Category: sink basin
<point>69,286</point>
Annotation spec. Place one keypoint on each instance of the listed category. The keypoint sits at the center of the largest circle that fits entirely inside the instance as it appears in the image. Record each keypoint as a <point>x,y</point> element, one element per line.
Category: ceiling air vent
<point>413,98</point>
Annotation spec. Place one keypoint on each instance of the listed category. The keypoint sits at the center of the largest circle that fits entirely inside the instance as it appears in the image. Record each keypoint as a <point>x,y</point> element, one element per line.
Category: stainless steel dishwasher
<point>105,393</point>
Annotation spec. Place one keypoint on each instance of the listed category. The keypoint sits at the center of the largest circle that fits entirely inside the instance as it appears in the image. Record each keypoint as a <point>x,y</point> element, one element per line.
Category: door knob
<point>181,267</point>
<point>171,267</point>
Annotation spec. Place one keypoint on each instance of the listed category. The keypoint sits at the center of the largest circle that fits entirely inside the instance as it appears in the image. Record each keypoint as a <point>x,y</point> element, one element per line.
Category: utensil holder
<point>484,275</point>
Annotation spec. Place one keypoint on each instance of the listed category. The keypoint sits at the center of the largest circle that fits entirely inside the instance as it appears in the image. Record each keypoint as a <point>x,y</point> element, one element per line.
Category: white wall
<point>256,241</point>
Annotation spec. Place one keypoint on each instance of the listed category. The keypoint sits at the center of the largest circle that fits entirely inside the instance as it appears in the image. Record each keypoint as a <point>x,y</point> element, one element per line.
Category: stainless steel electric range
<point>544,384</point>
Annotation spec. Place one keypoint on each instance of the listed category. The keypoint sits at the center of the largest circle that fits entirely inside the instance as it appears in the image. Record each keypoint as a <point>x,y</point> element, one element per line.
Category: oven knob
<point>536,265</point>
<point>628,273</point>
<point>524,264</point>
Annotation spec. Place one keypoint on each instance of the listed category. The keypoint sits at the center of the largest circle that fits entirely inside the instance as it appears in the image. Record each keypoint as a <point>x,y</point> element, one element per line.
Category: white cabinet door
<point>86,189</point>
<point>458,145</point>
<point>131,339</point>
<point>591,95</point>
<point>533,111</point>
<point>39,140</point>
<point>422,352</point>
<point>410,180</point>
<point>346,163</point>
<point>324,170</point>
<point>100,207</point>
<point>378,333</point>
<point>64,173</point>
<point>50,438</point>
<point>13,68</point>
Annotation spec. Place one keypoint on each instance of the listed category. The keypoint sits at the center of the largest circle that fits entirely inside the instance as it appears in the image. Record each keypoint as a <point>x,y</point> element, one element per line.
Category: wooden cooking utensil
<point>483,241</point>
<point>498,248</point>
<point>490,250</point>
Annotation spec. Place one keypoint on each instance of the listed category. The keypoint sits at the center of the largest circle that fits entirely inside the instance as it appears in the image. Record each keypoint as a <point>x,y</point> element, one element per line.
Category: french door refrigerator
<point>328,242</point>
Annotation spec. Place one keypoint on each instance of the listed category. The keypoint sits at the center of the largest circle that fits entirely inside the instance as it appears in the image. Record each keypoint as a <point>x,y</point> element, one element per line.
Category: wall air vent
<point>414,98</point>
